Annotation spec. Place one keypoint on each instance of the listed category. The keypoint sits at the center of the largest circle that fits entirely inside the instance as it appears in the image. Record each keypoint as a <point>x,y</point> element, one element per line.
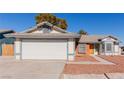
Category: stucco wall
<point>71,49</point>
<point>38,31</point>
<point>115,49</point>
<point>17,49</point>
<point>54,31</point>
<point>41,31</point>
<point>115,46</point>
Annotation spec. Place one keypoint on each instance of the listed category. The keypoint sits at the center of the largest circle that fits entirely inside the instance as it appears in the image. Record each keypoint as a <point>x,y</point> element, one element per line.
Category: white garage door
<point>44,49</point>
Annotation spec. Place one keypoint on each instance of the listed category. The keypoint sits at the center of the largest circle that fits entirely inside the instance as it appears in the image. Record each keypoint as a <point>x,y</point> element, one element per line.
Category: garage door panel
<point>49,49</point>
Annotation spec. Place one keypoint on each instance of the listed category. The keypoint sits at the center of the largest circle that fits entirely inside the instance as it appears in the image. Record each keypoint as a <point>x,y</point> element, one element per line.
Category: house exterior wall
<point>17,49</point>
<point>71,49</point>
<point>77,50</point>
<point>115,46</point>
<point>117,50</point>
<point>89,49</point>
<point>41,31</point>
<point>105,51</point>
<point>54,31</point>
<point>38,31</point>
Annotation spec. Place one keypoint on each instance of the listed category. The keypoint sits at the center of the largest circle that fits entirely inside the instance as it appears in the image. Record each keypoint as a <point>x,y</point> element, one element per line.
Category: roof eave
<point>5,31</point>
<point>88,42</point>
<point>38,36</point>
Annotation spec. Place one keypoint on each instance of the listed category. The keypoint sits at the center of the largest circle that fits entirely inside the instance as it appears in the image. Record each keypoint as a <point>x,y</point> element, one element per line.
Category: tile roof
<point>92,38</point>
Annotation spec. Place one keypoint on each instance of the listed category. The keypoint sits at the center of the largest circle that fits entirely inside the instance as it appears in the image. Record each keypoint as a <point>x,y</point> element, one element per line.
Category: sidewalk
<point>84,76</point>
<point>94,76</point>
<point>88,60</point>
<point>102,61</point>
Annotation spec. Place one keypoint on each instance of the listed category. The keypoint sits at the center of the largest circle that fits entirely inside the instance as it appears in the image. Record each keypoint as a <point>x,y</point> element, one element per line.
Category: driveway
<point>13,69</point>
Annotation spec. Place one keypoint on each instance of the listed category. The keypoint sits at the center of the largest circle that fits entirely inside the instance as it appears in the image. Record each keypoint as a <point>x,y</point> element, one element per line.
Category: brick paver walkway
<point>85,58</point>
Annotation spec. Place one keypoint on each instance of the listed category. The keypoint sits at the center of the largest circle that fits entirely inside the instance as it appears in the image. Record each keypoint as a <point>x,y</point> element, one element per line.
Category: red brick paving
<point>97,68</point>
<point>85,58</point>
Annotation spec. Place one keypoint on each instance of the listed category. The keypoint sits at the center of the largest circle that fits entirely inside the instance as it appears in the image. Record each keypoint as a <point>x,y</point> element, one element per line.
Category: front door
<point>91,49</point>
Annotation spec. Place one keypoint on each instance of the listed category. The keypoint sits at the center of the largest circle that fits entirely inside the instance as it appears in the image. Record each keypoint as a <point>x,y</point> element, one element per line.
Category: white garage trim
<point>36,49</point>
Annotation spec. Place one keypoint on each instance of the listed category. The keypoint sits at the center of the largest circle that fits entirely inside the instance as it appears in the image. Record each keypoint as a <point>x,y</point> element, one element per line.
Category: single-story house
<point>45,42</point>
<point>6,44</point>
<point>98,45</point>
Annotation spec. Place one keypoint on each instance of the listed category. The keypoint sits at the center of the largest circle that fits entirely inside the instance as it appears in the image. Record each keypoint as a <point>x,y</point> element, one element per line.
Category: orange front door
<point>91,48</point>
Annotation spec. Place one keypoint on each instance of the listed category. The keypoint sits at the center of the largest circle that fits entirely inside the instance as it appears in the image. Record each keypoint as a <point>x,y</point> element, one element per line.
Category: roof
<point>7,40</point>
<point>44,23</point>
<point>93,38</point>
<point>5,30</point>
<point>45,35</point>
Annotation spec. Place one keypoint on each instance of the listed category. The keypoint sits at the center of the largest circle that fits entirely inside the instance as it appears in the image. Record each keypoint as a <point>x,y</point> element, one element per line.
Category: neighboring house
<point>122,50</point>
<point>46,42</point>
<point>98,45</point>
<point>6,44</point>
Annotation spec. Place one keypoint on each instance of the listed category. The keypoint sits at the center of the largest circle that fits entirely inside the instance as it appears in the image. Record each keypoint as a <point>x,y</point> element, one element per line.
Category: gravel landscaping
<point>119,60</point>
<point>97,68</point>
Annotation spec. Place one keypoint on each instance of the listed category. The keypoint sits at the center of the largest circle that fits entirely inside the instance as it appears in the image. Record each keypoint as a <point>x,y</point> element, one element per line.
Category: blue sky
<point>92,23</point>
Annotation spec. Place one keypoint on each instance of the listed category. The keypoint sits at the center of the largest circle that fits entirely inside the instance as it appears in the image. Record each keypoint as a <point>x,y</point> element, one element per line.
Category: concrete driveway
<point>29,69</point>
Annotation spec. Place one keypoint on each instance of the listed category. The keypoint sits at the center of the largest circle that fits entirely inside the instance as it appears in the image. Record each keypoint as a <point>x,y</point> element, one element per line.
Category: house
<point>98,45</point>
<point>6,44</point>
<point>45,42</point>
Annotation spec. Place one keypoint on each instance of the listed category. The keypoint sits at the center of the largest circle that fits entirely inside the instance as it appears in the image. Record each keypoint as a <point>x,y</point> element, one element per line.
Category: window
<point>82,48</point>
<point>109,47</point>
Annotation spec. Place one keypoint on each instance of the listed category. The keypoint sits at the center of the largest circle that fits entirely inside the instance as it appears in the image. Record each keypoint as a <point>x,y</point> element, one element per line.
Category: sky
<point>93,23</point>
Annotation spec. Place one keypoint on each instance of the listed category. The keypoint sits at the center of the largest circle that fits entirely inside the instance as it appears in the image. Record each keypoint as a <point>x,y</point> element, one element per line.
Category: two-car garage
<point>44,46</point>
<point>44,49</point>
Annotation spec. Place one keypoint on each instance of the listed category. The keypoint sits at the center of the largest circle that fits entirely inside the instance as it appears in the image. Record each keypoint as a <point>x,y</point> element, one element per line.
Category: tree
<point>52,19</point>
<point>82,32</point>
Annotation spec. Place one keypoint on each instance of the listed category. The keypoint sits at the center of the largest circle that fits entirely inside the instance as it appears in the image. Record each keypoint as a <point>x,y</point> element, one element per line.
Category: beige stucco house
<point>48,42</point>
<point>45,42</point>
